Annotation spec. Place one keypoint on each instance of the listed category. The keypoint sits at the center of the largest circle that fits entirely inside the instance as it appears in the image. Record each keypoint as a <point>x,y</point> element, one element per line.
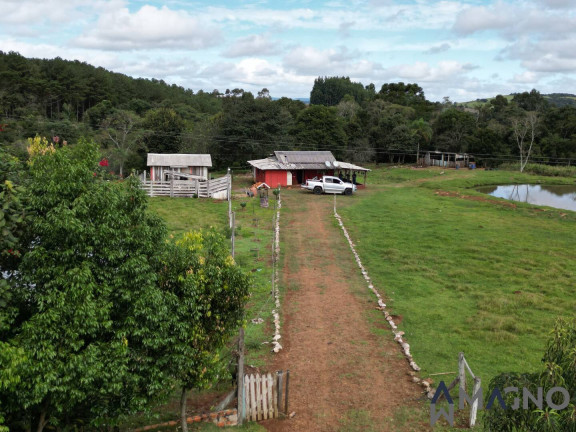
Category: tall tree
<point>209,292</point>
<point>121,129</point>
<point>329,91</point>
<point>530,101</point>
<point>402,94</point>
<point>453,129</point>
<point>164,127</point>
<point>320,128</point>
<point>87,313</point>
<point>422,131</point>
<point>524,129</point>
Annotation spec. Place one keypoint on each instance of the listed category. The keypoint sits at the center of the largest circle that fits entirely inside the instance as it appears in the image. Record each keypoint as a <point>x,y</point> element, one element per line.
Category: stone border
<point>381,305</point>
<point>276,347</point>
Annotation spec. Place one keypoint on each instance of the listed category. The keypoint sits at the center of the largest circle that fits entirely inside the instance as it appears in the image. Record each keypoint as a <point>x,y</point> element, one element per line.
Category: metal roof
<point>301,160</point>
<point>304,157</point>
<point>179,160</point>
<point>351,167</point>
<point>295,160</point>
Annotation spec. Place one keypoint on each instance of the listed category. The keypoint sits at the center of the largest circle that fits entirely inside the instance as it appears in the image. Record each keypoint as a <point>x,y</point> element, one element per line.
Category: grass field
<point>466,273</point>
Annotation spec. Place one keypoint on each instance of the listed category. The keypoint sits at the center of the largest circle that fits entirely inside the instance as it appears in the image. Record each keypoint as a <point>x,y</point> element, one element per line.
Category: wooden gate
<point>266,396</point>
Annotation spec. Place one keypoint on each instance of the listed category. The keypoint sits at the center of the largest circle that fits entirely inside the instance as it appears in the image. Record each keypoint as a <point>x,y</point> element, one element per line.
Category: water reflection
<point>558,196</point>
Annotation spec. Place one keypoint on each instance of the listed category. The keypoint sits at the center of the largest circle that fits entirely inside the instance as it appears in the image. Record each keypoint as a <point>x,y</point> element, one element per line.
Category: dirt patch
<point>338,366</point>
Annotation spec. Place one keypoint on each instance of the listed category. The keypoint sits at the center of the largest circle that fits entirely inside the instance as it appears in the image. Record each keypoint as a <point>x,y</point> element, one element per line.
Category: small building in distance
<point>193,166</point>
<point>287,168</point>
<point>447,159</point>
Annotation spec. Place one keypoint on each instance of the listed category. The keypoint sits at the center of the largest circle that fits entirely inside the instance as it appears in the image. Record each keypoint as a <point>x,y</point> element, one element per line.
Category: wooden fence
<point>266,396</point>
<point>188,188</point>
<point>462,368</point>
<point>460,380</point>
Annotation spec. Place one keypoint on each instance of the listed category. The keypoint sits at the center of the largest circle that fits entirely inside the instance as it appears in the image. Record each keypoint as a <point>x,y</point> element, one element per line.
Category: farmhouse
<point>193,166</point>
<point>287,168</point>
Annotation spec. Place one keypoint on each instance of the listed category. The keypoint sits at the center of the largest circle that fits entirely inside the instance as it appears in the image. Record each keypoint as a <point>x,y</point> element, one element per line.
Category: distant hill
<point>305,100</point>
<point>561,99</point>
<point>555,99</point>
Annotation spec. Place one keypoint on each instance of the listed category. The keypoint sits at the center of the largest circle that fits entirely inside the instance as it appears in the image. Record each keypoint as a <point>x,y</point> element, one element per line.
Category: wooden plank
<point>247,404</point>
<point>264,397</point>
<point>474,409</point>
<point>240,372</point>
<point>259,396</point>
<point>287,388</point>
<point>254,409</point>
<point>468,367</point>
<point>279,375</point>
<point>461,364</point>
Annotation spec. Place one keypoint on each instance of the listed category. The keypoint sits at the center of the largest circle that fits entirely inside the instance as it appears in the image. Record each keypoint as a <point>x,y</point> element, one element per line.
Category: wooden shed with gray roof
<point>193,166</point>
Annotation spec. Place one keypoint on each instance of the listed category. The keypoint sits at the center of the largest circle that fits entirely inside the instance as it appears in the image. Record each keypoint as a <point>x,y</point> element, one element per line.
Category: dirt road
<point>347,373</point>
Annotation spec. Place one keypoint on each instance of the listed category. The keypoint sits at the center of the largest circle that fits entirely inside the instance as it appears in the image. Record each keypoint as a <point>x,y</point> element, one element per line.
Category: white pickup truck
<point>329,184</point>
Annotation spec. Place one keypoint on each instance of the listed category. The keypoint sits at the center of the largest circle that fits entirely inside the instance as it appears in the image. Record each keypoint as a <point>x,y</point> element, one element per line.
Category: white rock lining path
<point>276,347</point>
<point>382,306</point>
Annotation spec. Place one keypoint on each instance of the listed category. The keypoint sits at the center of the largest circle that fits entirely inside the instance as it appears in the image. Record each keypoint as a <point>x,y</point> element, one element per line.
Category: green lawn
<point>482,277</point>
<point>465,272</point>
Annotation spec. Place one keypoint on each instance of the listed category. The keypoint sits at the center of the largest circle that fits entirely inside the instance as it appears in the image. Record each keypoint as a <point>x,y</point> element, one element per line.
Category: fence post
<point>240,378</point>
<point>229,192</point>
<point>172,186</point>
<point>279,375</point>
<point>474,410</point>
<point>286,397</point>
<point>461,372</point>
<point>233,222</point>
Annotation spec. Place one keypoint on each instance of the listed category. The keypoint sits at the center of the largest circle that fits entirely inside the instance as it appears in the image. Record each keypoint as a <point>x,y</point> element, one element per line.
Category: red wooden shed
<point>287,168</point>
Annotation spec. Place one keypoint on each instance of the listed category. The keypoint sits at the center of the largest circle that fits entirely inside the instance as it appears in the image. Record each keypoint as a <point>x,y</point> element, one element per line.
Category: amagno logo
<point>495,396</point>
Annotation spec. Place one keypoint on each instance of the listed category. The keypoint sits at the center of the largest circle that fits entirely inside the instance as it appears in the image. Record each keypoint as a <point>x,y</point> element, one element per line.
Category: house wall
<point>157,172</point>
<point>273,178</point>
<point>259,176</point>
<point>276,177</point>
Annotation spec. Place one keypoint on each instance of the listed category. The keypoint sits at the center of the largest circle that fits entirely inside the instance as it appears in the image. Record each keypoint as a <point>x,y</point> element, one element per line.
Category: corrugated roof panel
<point>179,160</point>
<point>304,157</point>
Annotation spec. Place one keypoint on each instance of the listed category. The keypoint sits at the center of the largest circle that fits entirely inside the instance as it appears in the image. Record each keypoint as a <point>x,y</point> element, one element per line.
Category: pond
<point>558,196</point>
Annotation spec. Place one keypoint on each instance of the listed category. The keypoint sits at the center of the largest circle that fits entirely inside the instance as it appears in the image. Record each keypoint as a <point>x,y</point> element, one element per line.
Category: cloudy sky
<point>461,49</point>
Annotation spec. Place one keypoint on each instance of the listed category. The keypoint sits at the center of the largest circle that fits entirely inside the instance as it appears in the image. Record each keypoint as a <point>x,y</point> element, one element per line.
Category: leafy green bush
<point>559,371</point>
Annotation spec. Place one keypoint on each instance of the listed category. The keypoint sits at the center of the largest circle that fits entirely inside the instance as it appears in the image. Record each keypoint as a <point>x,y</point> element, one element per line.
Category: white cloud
<point>481,18</point>
<point>312,61</point>
<point>258,44</point>
<point>149,28</point>
<point>557,4</point>
<point>421,15</point>
<point>424,72</point>
<point>438,48</point>
<point>32,12</point>
<point>526,78</point>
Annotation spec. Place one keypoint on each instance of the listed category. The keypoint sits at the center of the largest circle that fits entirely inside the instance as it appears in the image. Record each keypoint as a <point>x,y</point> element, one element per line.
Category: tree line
<point>360,123</point>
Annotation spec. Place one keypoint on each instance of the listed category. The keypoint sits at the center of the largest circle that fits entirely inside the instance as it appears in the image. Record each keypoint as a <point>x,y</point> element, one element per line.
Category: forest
<point>129,117</point>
